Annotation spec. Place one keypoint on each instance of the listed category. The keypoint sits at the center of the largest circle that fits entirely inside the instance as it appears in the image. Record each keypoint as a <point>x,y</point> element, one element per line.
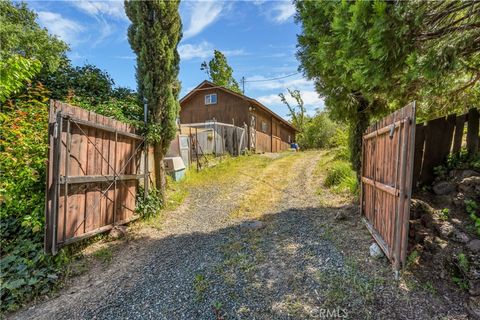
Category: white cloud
<point>112,8</point>
<point>104,29</point>
<point>201,15</point>
<point>191,51</point>
<point>283,11</point>
<point>204,50</point>
<point>310,98</point>
<point>280,12</point>
<point>66,29</point>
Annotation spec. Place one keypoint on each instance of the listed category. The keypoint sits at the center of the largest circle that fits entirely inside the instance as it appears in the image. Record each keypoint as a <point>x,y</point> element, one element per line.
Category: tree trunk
<point>160,181</point>
<point>357,130</point>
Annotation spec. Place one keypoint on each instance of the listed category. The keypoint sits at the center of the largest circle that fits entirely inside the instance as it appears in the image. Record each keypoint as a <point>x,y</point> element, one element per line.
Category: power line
<point>278,78</point>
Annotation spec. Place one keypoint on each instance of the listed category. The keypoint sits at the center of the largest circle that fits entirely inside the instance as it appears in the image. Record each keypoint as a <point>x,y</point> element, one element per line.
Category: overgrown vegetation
<point>340,176</point>
<point>34,69</point>
<point>26,271</point>
<point>473,211</point>
<point>314,132</point>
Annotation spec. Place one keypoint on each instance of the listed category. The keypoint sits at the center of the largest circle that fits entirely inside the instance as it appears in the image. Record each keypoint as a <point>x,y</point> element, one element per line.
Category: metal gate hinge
<point>392,130</point>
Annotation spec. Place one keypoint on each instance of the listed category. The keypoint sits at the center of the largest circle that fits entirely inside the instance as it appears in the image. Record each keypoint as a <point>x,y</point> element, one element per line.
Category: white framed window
<point>211,98</point>
<point>264,126</point>
<point>289,139</point>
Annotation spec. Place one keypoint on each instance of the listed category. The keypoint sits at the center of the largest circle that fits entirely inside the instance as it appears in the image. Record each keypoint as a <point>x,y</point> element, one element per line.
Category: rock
<point>430,244</point>
<point>443,187</point>
<point>474,246</point>
<point>419,208</point>
<point>474,307</point>
<point>440,242</point>
<point>459,199</point>
<point>470,186</point>
<point>460,236</point>
<point>445,229</point>
<point>252,225</point>
<point>341,215</point>
<point>118,232</point>
<point>421,233</point>
<point>427,220</point>
<point>461,174</point>
<point>474,287</point>
<point>375,251</point>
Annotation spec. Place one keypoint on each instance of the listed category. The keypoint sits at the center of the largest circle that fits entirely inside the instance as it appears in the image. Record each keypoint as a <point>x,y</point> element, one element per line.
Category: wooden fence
<point>387,166</point>
<point>93,173</point>
<point>437,138</point>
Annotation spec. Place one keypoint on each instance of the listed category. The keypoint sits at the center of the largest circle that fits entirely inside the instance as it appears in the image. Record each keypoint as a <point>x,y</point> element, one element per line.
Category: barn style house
<point>267,131</point>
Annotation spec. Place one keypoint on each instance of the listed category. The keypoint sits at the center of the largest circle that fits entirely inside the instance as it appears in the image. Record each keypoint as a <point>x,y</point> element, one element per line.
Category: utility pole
<point>243,85</point>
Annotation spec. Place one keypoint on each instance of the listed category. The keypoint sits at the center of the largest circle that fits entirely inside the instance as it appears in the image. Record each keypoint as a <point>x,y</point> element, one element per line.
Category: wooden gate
<point>386,182</point>
<point>92,178</point>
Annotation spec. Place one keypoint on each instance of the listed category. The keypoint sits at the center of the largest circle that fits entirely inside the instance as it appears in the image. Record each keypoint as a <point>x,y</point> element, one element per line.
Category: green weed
<point>104,255</point>
<point>200,285</point>
<point>412,259</point>
<point>444,214</point>
<point>472,210</point>
<point>460,282</point>
<point>463,262</point>
<point>341,177</point>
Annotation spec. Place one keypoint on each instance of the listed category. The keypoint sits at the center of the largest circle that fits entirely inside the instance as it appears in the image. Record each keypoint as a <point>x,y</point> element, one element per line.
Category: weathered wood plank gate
<point>386,182</point>
<point>398,155</point>
<point>93,173</point>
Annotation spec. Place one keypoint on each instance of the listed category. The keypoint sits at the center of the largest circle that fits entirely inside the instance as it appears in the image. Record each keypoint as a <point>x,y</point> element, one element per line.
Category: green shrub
<point>340,141</point>
<point>341,177</point>
<point>150,206</point>
<point>317,131</point>
<point>26,270</point>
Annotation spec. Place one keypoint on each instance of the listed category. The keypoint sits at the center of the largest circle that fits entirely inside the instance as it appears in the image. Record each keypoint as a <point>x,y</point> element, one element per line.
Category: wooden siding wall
<point>228,107</point>
<point>437,138</point>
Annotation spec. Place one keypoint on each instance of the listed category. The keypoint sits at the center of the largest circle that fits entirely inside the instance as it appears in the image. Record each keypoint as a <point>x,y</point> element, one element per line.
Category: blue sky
<point>258,38</point>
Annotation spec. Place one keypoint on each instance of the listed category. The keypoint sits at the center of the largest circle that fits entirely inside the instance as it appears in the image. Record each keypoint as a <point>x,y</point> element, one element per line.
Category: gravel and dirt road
<point>306,257</point>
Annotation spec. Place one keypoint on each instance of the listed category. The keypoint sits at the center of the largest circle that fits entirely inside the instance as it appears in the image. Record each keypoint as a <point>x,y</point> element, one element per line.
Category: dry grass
<point>267,189</point>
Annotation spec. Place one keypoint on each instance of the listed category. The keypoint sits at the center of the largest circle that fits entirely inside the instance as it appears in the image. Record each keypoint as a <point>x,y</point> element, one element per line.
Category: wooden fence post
<point>472,133</point>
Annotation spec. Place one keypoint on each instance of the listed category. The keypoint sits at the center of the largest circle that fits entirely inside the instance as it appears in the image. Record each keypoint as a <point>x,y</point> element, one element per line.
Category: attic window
<point>211,98</point>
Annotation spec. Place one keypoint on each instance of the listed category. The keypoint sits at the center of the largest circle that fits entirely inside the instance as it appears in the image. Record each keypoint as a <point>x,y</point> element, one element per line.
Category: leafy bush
<point>26,270</point>
<point>150,206</point>
<point>317,132</point>
<point>340,141</point>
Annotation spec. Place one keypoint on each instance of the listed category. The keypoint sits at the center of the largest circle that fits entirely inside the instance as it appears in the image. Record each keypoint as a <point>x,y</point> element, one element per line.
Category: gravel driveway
<point>204,264</point>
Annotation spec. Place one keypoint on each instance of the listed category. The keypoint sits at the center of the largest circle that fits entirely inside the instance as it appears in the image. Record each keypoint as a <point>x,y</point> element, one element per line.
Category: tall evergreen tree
<point>370,57</point>
<point>154,36</point>
<point>220,72</point>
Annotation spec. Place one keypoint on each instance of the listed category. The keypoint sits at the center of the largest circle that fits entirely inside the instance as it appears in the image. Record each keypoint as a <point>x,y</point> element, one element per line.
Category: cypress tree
<point>154,35</point>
